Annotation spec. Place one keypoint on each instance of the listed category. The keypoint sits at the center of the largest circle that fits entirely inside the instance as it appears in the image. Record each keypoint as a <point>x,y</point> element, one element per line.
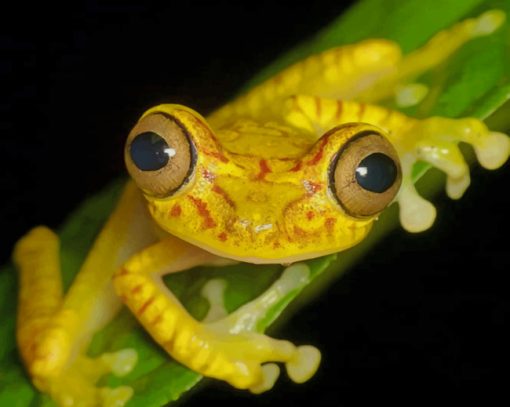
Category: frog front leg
<point>228,349</point>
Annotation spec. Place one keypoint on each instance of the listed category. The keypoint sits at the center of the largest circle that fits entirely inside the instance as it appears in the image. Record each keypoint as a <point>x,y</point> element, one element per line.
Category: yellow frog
<point>298,167</point>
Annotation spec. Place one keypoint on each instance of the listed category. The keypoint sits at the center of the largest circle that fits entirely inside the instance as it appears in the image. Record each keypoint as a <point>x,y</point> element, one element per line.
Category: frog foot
<point>76,386</point>
<point>437,145</point>
<point>246,355</point>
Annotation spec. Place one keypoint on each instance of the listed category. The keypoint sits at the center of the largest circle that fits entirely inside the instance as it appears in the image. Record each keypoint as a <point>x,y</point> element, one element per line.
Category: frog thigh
<point>437,50</point>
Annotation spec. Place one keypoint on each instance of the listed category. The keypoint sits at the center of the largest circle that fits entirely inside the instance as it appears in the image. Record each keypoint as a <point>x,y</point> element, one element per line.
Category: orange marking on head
<point>222,236</point>
<point>329,223</point>
<point>299,232</point>
<point>264,169</point>
<point>318,155</point>
<point>310,215</point>
<point>297,167</point>
<point>145,305</point>
<point>176,211</point>
<point>352,227</point>
<point>220,191</point>
<point>203,212</point>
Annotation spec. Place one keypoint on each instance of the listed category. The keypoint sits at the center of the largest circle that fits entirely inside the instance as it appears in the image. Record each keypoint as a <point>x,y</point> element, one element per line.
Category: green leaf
<point>474,82</point>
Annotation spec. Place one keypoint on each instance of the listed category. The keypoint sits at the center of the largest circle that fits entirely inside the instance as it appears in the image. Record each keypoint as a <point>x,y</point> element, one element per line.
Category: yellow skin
<point>260,191</point>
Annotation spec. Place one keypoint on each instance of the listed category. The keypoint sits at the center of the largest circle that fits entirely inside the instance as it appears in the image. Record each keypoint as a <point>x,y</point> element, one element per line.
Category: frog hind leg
<point>433,53</point>
<point>53,330</point>
<point>228,349</point>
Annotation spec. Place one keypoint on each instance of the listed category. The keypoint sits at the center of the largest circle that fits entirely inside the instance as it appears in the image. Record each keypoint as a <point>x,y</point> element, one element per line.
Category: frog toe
<point>270,373</point>
<point>493,150</point>
<point>120,363</point>
<point>115,397</point>
<point>304,364</point>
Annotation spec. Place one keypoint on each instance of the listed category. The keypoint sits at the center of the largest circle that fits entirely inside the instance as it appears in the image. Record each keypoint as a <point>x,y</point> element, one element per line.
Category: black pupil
<point>150,152</point>
<point>376,172</point>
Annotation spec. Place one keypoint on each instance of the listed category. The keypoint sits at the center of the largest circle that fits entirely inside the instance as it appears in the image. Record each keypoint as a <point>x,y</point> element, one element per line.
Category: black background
<point>422,316</point>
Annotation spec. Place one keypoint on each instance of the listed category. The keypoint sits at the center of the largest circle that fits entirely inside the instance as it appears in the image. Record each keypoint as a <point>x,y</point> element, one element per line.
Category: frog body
<point>281,174</point>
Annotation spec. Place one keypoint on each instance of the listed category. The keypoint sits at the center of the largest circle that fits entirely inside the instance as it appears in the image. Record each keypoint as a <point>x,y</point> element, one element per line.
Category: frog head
<point>262,198</point>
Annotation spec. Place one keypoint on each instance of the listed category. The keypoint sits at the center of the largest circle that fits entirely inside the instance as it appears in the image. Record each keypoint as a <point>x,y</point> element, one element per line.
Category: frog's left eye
<point>159,155</point>
<point>365,175</point>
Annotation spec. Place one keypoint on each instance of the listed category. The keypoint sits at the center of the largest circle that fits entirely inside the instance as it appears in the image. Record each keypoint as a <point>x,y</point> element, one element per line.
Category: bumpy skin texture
<point>259,189</point>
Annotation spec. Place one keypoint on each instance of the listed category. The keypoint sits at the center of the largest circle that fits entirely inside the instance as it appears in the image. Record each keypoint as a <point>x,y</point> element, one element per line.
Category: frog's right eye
<point>159,155</point>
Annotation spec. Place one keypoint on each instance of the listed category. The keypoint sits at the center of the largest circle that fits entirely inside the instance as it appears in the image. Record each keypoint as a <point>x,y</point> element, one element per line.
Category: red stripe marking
<point>137,289</point>
<point>157,320</point>
<point>318,156</point>
<point>224,195</point>
<point>144,307</point>
<point>203,212</point>
<point>222,236</point>
<point>297,167</point>
<point>264,169</point>
<point>176,211</point>
<point>310,215</point>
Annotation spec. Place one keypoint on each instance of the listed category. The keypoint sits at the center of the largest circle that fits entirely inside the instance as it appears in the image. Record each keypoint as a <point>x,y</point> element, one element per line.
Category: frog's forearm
<point>209,350</point>
<point>139,285</point>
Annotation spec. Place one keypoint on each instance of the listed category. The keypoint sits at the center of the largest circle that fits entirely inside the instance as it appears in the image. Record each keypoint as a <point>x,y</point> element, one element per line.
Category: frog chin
<point>268,256</point>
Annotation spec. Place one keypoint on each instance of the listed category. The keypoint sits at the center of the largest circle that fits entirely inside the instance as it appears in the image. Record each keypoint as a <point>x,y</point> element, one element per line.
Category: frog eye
<point>365,175</point>
<point>159,155</point>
